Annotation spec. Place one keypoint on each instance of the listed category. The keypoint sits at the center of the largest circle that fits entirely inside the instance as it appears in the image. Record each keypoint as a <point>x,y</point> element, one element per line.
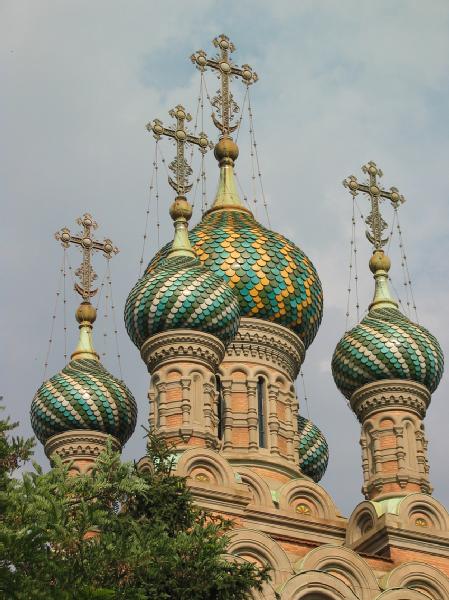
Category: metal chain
<point>304,390</point>
<point>114,320</point>
<point>147,215</point>
<point>64,305</point>
<point>404,263</point>
<point>53,318</point>
<point>254,145</point>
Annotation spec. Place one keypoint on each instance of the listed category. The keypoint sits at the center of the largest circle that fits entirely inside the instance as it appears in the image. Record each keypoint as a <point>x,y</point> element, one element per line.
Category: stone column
<point>183,364</point>
<point>394,449</point>
<point>80,448</point>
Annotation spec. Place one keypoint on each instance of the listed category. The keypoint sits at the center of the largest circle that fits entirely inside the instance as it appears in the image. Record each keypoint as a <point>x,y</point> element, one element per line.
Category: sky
<point>341,83</point>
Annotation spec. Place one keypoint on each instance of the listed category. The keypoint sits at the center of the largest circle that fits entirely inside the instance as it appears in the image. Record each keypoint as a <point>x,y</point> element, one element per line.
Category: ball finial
<point>226,151</point>
<point>180,209</point>
<point>379,261</point>
<point>86,313</point>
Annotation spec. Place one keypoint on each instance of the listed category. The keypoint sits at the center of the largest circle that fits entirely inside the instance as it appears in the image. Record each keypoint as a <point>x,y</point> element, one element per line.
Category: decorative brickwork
<point>80,448</point>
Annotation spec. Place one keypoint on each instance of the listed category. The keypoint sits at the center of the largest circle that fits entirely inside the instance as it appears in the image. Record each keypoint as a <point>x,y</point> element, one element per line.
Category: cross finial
<point>224,102</point>
<point>85,240</point>
<point>179,166</point>
<point>375,222</point>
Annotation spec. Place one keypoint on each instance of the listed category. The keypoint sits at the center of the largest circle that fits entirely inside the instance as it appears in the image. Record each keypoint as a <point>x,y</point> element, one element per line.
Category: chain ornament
<point>88,245</point>
<point>179,166</point>
<point>376,224</point>
<point>224,102</point>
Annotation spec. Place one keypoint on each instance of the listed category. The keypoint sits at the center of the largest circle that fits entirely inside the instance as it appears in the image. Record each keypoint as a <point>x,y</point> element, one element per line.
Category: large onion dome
<point>273,279</point>
<point>181,293</point>
<point>313,450</point>
<point>386,344</point>
<point>84,395</point>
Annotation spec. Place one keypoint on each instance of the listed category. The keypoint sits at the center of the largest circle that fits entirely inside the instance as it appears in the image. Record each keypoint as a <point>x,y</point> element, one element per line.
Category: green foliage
<point>117,533</point>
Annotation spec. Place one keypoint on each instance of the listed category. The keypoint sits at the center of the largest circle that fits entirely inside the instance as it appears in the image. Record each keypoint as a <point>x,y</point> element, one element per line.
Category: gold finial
<point>180,212</point>
<point>179,166</point>
<point>86,313</point>
<point>375,222</point>
<point>224,101</point>
<point>85,272</point>
<point>379,265</point>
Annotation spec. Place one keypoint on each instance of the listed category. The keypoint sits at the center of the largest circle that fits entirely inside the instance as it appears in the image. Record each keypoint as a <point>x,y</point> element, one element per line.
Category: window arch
<point>220,407</point>
<point>261,411</point>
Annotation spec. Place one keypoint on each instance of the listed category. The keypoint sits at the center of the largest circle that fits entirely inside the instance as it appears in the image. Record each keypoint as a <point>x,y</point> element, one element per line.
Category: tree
<point>118,533</point>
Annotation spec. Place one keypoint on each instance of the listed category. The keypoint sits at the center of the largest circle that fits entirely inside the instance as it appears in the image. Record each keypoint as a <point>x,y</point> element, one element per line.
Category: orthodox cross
<point>375,222</point>
<point>179,166</point>
<point>85,240</point>
<point>224,101</point>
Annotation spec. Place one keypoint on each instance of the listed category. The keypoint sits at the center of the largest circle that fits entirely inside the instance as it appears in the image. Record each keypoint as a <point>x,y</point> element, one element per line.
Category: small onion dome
<point>84,395</point>
<point>273,279</point>
<point>313,450</point>
<point>386,345</point>
<point>180,293</point>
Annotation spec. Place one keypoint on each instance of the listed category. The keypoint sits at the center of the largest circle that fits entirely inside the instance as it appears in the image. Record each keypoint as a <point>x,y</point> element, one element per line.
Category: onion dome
<point>313,450</point>
<point>181,293</point>
<point>84,395</point>
<point>272,278</point>
<point>386,344</point>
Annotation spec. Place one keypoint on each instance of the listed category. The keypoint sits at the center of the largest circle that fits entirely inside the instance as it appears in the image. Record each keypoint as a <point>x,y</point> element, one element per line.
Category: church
<point>223,316</point>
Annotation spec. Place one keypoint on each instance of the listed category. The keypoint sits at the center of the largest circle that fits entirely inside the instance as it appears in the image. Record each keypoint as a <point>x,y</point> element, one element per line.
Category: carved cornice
<point>373,489</point>
<point>182,344</point>
<point>390,394</point>
<point>79,444</point>
<point>268,342</point>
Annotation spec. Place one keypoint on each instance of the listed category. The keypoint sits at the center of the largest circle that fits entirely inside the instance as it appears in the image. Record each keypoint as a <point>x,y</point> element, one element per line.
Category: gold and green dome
<point>272,278</point>
<point>313,450</point>
<point>84,395</point>
<point>386,345</point>
<point>181,293</point>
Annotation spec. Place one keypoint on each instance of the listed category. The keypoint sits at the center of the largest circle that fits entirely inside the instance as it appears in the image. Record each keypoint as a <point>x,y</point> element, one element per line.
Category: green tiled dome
<point>386,345</point>
<point>313,450</point>
<point>83,396</point>
<point>181,294</point>
<point>274,280</point>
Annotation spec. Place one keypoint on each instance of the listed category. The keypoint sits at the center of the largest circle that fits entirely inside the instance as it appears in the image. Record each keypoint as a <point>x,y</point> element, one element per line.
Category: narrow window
<point>261,411</point>
<point>220,407</point>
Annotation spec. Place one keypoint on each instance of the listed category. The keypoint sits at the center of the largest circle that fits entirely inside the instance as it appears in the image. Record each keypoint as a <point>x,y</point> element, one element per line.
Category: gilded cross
<point>179,166</point>
<point>226,70</point>
<point>375,222</point>
<point>85,240</point>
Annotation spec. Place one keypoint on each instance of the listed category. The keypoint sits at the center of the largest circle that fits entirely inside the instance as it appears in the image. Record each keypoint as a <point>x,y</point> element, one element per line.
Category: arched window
<point>261,412</point>
<point>220,407</point>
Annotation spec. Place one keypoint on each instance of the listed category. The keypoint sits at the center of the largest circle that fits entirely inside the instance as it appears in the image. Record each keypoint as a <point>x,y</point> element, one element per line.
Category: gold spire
<point>226,151</point>
<point>379,265</point>
<point>180,212</point>
<point>379,262</point>
<point>86,313</point>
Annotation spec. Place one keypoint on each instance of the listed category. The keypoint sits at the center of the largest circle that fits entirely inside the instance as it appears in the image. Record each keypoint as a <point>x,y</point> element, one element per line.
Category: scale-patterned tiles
<point>386,345</point>
<point>273,279</point>
<point>181,294</point>
<point>313,450</point>
<point>84,395</point>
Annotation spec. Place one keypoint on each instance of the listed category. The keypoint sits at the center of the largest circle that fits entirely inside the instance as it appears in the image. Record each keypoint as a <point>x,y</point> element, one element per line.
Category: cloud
<point>340,84</point>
